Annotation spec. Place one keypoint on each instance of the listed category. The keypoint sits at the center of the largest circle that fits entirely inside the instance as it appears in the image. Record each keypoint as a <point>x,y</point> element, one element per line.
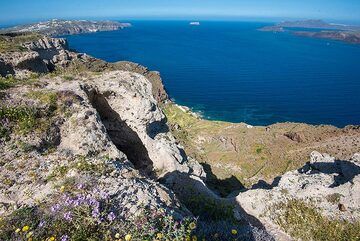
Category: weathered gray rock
<point>321,180</point>
<point>323,163</point>
<point>40,56</point>
<point>87,135</point>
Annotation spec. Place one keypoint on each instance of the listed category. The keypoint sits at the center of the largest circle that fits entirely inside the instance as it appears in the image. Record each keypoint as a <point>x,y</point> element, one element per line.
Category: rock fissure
<point>123,137</point>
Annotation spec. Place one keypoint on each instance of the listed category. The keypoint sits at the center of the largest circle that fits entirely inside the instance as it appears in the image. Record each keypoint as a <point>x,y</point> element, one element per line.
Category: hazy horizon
<point>21,11</point>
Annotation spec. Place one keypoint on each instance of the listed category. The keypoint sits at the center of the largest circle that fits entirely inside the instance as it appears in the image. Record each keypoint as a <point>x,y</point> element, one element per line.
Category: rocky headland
<point>92,150</point>
<point>321,29</point>
<point>57,27</point>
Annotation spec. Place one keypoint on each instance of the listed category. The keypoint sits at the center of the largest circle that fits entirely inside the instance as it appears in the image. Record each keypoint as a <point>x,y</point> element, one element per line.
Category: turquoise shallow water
<point>230,71</point>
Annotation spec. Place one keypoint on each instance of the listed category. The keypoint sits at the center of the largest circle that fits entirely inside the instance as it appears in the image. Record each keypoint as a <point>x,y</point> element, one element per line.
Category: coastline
<point>110,128</point>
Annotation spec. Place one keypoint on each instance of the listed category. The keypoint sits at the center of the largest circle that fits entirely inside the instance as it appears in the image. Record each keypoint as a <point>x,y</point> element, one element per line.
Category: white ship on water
<point>195,23</point>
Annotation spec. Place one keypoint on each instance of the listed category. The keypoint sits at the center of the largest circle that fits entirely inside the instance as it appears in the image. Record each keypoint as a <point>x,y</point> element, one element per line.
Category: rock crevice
<point>123,137</point>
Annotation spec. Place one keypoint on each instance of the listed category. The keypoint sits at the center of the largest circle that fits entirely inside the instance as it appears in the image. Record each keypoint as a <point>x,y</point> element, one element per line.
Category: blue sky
<point>25,10</point>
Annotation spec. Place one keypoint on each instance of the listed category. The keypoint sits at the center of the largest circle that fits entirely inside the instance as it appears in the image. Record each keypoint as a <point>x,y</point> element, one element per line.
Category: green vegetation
<point>10,81</point>
<point>248,153</point>
<point>80,217</point>
<point>6,83</point>
<point>224,145</point>
<point>208,208</point>
<point>303,221</point>
<point>24,117</point>
<point>14,44</point>
<point>23,120</point>
<point>68,77</point>
<point>259,150</point>
<point>83,165</point>
<point>45,97</point>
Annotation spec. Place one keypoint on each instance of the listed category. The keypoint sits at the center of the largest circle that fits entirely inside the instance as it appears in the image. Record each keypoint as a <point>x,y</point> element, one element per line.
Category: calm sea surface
<point>230,71</point>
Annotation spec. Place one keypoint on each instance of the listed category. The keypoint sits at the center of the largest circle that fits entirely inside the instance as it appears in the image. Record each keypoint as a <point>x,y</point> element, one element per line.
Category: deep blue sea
<point>230,71</point>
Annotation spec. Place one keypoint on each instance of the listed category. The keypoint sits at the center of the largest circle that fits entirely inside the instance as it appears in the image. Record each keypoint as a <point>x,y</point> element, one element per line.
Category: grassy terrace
<point>249,154</point>
<point>230,149</point>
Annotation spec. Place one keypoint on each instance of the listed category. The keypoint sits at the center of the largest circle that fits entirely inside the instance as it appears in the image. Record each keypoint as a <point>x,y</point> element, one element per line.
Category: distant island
<point>57,27</point>
<point>321,29</point>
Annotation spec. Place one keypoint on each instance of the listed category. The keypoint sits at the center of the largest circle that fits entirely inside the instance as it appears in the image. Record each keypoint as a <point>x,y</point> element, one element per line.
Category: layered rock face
<point>40,56</point>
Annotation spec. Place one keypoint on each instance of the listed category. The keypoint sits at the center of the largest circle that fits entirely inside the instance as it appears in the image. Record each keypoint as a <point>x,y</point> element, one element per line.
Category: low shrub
<point>23,117</point>
<point>305,222</point>
<point>90,216</point>
<point>208,208</point>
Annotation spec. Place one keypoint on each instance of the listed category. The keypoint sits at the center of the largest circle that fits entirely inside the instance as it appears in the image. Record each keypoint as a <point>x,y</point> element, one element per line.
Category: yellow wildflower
<point>234,231</point>
<point>192,225</point>
<point>79,164</point>
<point>29,234</point>
<point>62,188</point>
<point>25,228</point>
<point>17,230</point>
<point>117,235</point>
<point>52,238</point>
<point>127,237</point>
<point>159,235</point>
<point>194,238</point>
<point>30,239</point>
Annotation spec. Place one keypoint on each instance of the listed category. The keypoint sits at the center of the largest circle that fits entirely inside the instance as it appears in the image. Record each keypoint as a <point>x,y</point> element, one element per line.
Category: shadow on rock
<point>216,216</point>
<point>222,187</point>
<point>124,138</point>
<point>345,170</point>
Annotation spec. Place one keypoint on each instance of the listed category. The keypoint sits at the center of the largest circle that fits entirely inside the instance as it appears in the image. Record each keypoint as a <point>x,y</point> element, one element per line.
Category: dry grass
<point>258,153</point>
<point>305,222</point>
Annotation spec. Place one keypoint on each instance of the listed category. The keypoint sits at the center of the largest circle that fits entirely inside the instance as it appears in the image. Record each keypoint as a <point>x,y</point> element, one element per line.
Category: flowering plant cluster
<point>23,118</point>
<point>90,216</point>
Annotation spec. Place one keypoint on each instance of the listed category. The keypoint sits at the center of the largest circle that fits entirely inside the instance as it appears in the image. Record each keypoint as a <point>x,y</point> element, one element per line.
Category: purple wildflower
<point>41,224</point>
<point>55,208</point>
<point>81,198</point>
<point>76,203</point>
<point>104,195</point>
<point>68,201</point>
<point>80,186</point>
<point>111,216</point>
<point>93,202</point>
<point>64,238</point>
<point>95,213</point>
<point>68,216</point>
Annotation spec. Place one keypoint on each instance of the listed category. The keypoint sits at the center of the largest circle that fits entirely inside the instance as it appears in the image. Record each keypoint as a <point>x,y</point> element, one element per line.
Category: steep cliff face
<point>95,135</point>
<point>40,56</point>
<point>91,126</point>
<point>87,147</point>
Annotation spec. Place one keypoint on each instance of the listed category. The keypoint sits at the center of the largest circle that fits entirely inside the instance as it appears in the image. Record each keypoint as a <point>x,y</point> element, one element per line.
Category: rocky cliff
<point>88,154</point>
<point>57,27</point>
<point>84,142</point>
